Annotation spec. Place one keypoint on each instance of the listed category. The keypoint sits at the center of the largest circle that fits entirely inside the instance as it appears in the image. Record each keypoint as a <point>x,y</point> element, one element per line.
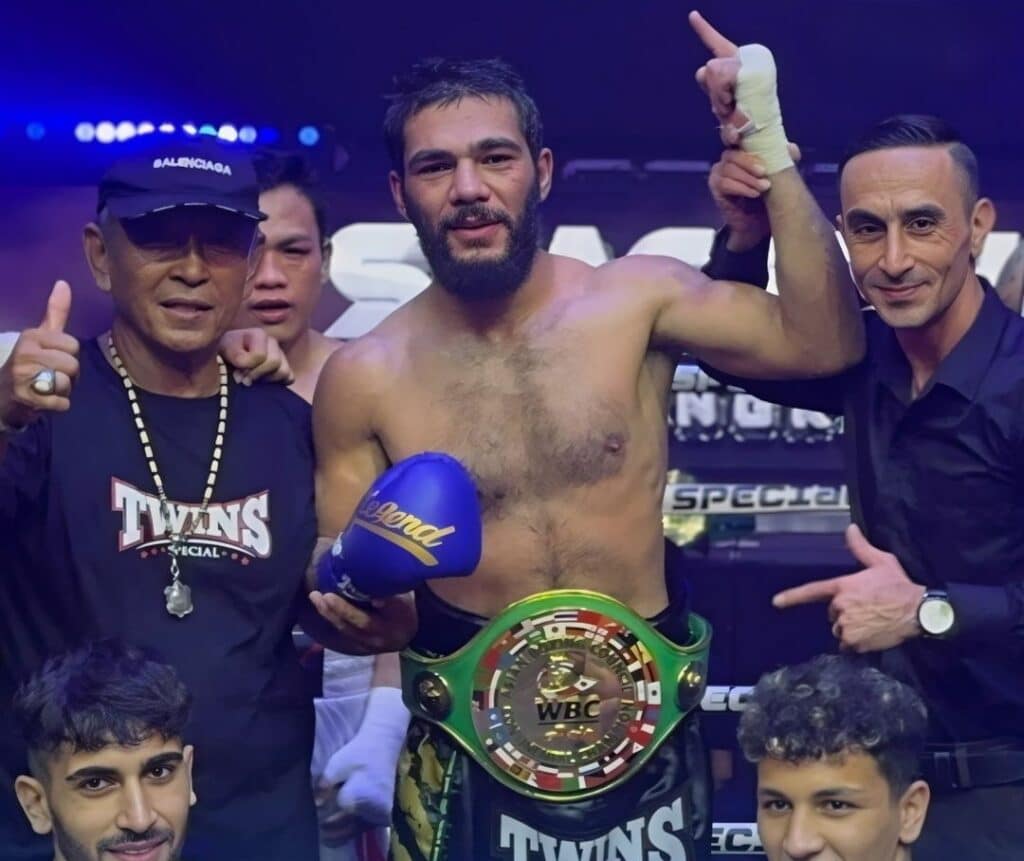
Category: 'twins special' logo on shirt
<point>237,530</point>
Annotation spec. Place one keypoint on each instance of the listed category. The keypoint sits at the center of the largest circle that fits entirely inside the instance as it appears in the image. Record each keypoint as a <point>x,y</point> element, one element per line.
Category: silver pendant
<point>179,599</point>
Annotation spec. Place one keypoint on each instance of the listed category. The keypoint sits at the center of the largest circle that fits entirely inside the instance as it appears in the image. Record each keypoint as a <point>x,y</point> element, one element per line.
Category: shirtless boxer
<point>549,379</point>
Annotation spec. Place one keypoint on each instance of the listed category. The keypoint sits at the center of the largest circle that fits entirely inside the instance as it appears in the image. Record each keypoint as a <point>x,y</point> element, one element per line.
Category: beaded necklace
<point>178,593</point>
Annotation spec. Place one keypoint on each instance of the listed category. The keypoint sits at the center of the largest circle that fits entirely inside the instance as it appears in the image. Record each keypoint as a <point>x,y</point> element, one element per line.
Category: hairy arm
<point>825,394</point>
<point>348,454</point>
<point>817,298</point>
<point>348,458</point>
<point>812,328</point>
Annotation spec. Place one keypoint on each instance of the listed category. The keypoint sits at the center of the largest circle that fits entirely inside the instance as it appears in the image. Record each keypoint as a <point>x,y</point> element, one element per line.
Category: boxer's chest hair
<point>528,425</point>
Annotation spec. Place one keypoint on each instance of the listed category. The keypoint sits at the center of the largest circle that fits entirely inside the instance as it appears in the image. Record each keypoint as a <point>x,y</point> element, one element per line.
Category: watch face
<point>935,616</point>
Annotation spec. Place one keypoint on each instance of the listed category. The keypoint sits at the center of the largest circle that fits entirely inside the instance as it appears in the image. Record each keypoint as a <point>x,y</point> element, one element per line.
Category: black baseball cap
<point>165,171</point>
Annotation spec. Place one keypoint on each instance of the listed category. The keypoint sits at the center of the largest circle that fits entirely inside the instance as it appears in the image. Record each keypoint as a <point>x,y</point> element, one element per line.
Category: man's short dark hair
<point>276,169</point>
<point>920,130</point>
<point>103,693</point>
<point>442,82</point>
<point>832,706</point>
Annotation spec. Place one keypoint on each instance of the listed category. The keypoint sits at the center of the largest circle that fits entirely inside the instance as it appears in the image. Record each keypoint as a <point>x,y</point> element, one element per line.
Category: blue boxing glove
<point>419,520</point>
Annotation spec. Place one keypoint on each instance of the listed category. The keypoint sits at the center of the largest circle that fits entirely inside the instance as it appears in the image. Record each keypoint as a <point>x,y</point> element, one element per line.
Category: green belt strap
<point>563,694</point>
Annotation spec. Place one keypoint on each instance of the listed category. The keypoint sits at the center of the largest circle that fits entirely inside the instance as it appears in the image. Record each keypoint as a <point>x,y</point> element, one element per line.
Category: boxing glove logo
<point>386,520</point>
<point>419,520</point>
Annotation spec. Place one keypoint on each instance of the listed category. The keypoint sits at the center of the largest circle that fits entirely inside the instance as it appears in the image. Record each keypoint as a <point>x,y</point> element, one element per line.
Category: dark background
<point>613,80</point>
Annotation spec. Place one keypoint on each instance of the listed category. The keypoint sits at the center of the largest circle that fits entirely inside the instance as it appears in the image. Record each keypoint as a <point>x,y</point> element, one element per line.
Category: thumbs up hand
<point>42,367</point>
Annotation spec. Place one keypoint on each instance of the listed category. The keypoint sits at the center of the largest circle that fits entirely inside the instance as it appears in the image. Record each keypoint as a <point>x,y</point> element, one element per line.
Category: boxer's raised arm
<point>814,327</point>
<point>817,300</point>
<point>738,328</point>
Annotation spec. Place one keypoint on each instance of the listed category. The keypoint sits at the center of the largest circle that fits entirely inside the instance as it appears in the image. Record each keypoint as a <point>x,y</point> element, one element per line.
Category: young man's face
<point>911,230</point>
<point>114,804</point>
<point>287,282</point>
<point>471,188</point>
<point>836,809</point>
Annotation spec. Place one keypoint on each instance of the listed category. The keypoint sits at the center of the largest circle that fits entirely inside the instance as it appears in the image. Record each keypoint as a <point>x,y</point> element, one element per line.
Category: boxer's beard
<point>70,848</point>
<point>486,278</point>
<point>73,850</point>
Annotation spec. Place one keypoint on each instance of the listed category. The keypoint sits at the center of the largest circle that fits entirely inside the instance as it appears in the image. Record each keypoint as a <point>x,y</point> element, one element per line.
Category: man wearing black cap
<point>138,500</point>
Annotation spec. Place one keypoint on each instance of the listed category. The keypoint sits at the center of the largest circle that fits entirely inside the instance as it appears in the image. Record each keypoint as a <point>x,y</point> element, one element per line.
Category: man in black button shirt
<point>934,441</point>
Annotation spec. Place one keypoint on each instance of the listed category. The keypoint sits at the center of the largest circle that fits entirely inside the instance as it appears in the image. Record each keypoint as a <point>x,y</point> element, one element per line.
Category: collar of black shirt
<point>965,367</point>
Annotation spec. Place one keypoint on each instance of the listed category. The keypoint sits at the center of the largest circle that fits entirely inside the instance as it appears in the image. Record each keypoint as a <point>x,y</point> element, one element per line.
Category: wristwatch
<point>935,614</point>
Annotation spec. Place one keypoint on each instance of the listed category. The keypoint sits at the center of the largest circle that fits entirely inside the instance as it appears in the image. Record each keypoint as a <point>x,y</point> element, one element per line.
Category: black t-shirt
<point>82,555</point>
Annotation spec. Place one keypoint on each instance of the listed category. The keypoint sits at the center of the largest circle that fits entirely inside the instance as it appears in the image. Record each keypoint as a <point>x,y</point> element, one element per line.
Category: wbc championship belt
<point>562,695</point>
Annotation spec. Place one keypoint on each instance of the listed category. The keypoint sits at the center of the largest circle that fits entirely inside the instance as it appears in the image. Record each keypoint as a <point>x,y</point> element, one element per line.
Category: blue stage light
<point>145,129</point>
<point>167,128</point>
<point>309,136</point>
<point>105,132</point>
<point>124,130</point>
<point>85,132</point>
<point>208,129</point>
<point>227,132</point>
<point>269,135</point>
<point>189,128</point>
<point>35,131</point>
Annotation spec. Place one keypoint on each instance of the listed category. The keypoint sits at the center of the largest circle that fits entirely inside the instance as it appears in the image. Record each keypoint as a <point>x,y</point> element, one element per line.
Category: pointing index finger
<point>809,593</point>
<point>714,41</point>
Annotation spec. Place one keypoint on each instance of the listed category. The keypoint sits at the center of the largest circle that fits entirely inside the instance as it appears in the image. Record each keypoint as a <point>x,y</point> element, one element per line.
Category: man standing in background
<point>361,720</point>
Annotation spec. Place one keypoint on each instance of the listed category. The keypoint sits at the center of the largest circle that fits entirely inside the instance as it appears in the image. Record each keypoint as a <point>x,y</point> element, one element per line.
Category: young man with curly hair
<point>837,746</point>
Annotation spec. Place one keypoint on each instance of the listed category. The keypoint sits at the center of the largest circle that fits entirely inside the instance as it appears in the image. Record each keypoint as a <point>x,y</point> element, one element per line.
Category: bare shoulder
<point>651,277</point>
<point>356,376</point>
<point>650,269</point>
<point>361,365</point>
<point>375,362</point>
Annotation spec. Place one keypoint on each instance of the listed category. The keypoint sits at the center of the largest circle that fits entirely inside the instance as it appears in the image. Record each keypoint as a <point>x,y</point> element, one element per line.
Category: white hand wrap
<point>757,98</point>
<point>366,766</point>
